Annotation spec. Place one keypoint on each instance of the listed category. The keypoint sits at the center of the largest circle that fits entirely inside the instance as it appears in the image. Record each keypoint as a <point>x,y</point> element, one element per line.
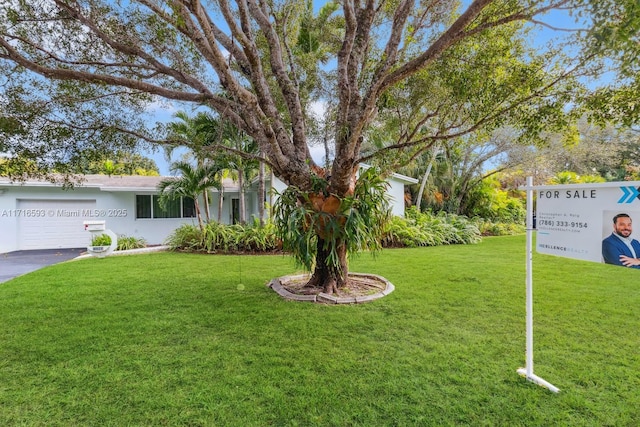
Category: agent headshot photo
<point>619,248</point>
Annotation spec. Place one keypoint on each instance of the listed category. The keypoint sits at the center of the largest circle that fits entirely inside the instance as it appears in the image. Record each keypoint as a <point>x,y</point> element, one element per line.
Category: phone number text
<point>569,224</point>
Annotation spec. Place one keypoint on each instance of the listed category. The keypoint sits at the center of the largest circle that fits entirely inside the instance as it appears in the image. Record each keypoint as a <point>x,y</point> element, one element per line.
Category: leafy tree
<point>78,68</point>
<point>121,163</point>
<point>588,149</point>
<point>461,166</point>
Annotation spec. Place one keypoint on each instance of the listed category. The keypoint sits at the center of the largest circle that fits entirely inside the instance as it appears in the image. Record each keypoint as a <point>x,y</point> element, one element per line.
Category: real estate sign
<point>572,220</point>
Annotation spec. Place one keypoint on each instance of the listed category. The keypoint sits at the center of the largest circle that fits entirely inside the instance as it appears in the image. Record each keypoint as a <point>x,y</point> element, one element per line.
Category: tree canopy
<point>80,72</point>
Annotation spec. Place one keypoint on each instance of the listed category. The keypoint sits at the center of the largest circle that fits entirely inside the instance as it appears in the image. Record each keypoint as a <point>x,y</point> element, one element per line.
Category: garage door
<point>53,224</point>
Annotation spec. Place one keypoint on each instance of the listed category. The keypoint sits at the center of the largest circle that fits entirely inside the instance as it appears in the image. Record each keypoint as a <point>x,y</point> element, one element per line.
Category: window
<point>143,206</point>
<point>148,206</point>
<point>170,209</point>
<point>188,207</point>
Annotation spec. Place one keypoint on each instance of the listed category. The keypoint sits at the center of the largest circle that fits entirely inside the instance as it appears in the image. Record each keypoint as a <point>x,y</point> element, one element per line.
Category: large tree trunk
<point>328,278</point>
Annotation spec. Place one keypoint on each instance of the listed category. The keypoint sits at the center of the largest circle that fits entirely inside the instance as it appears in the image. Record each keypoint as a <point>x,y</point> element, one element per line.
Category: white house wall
<point>396,197</point>
<point>117,209</point>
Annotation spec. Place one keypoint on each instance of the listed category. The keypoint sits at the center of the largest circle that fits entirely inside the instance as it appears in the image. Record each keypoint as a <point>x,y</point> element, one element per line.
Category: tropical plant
<point>188,132</point>
<point>187,237</point>
<point>191,182</point>
<point>236,153</point>
<point>101,240</point>
<point>429,229</point>
<point>126,243</point>
<point>320,224</point>
<point>223,238</point>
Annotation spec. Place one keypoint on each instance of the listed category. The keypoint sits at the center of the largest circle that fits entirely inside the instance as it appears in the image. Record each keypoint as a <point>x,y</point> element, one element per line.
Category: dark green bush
<point>187,238</point>
<point>415,229</point>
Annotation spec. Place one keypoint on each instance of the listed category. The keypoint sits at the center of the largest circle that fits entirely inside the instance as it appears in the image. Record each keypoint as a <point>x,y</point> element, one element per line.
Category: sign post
<point>527,371</point>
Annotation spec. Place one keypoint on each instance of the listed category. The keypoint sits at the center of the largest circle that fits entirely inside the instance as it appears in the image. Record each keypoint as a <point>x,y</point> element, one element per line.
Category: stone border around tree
<point>276,285</point>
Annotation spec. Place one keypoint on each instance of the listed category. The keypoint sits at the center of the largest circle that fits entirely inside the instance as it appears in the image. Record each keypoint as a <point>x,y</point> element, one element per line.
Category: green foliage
<point>568,177</point>
<point>490,201</point>
<point>358,222</point>
<point>130,242</point>
<point>489,228</point>
<point>428,229</point>
<point>124,242</point>
<point>120,162</point>
<point>255,238</point>
<point>187,238</point>
<point>223,238</point>
<point>191,182</point>
<point>101,240</point>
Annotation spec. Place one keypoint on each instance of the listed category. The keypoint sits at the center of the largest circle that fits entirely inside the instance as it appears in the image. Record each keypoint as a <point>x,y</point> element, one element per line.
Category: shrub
<point>124,242</point>
<point>130,242</point>
<point>488,228</point>
<point>428,229</point>
<point>101,240</point>
<point>255,238</point>
<point>218,237</point>
<point>187,237</point>
<point>416,229</point>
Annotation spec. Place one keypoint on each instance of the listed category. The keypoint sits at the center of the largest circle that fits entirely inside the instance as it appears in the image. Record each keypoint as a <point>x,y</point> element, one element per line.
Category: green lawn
<point>178,339</point>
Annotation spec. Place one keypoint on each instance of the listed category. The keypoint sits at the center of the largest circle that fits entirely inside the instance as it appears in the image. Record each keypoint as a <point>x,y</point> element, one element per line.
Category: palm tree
<point>190,183</point>
<point>212,140</point>
<point>243,156</point>
<point>189,131</point>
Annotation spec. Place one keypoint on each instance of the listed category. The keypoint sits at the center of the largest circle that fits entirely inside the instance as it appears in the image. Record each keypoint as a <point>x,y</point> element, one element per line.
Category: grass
<point>183,339</point>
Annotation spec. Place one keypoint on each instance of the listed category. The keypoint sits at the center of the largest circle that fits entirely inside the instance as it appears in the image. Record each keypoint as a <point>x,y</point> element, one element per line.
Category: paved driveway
<point>14,264</point>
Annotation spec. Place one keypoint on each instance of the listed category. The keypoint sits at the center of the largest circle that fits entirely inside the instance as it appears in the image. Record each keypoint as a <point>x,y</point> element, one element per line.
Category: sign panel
<point>574,220</point>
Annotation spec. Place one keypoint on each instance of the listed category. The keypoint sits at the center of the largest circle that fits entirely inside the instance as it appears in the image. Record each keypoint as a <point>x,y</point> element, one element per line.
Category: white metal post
<point>529,280</point>
<point>527,372</point>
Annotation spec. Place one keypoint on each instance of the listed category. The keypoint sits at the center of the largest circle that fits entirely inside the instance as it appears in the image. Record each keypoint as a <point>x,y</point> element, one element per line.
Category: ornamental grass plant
<point>192,339</point>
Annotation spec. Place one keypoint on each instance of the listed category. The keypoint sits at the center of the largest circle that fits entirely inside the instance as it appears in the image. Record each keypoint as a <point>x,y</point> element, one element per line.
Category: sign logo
<point>629,194</point>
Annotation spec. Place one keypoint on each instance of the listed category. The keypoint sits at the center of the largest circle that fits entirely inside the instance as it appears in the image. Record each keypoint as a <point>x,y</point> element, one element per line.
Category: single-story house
<point>43,215</point>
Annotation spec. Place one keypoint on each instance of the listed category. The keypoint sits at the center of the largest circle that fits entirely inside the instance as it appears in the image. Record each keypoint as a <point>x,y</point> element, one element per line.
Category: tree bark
<point>207,212</point>
<point>198,213</point>
<point>418,203</point>
<point>328,278</point>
